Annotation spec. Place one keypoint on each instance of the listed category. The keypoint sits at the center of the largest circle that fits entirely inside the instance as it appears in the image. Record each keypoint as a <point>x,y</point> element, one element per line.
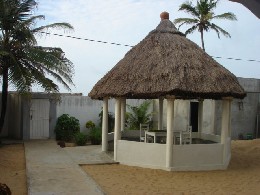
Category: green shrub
<point>95,135</point>
<point>90,125</point>
<point>66,127</point>
<point>81,139</point>
<point>139,115</point>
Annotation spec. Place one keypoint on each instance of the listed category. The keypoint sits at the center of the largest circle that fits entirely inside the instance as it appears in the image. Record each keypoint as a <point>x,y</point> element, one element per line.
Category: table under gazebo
<point>166,65</point>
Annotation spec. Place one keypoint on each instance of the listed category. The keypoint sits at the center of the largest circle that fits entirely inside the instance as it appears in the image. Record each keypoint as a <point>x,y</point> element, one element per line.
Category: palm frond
<point>57,26</point>
<point>219,30</point>
<point>138,114</point>
<point>226,16</point>
<point>189,8</point>
<point>191,30</point>
<point>186,20</point>
<point>32,20</point>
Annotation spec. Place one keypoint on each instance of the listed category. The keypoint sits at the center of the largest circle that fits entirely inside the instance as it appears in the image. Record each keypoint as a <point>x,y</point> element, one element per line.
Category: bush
<point>90,125</point>
<point>95,135</point>
<point>66,128</point>
<point>81,139</point>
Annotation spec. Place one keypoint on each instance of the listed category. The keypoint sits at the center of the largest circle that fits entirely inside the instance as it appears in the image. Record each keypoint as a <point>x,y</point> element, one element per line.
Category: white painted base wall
<point>194,157</point>
<point>141,154</point>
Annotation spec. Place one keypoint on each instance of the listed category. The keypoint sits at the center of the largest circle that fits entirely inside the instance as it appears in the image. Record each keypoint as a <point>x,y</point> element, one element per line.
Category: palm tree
<point>202,18</point>
<point>22,62</point>
<point>138,115</point>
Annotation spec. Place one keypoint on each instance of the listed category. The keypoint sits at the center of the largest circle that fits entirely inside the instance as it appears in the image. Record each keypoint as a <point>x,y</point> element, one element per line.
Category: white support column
<point>123,110</point>
<point>200,118</point>
<point>117,133</point>
<point>169,140</point>
<point>160,116</point>
<point>225,126</point>
<point>229,125</point>
<point>105,125</point>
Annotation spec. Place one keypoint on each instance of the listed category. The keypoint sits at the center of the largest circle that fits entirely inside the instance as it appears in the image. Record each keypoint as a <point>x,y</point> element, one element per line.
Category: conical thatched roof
<point>164,64</point>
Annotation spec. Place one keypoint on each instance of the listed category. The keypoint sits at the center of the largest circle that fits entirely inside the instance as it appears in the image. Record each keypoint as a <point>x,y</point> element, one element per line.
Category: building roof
<point>252,5</point>
<point>165,63</point>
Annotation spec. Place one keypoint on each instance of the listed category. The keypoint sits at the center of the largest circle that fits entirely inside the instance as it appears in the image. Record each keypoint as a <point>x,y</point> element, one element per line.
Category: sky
<point>130,21</point>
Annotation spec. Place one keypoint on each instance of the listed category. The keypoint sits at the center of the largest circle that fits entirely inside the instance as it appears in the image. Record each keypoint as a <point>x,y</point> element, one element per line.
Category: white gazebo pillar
<point>160,116</point>
<point>123,110</point>
<point>225,125</point>
<point>169,140</point>
<point>117,133</point>
<point>105,125</point>
<point>200,118</point>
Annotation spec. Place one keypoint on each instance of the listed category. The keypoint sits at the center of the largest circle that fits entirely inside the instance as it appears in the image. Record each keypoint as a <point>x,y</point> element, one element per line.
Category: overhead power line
<point>119,44</point>
<point>85,39</point>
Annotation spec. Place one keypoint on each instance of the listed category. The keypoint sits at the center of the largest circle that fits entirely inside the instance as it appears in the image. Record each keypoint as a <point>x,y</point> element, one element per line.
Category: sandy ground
<point>242,176</point>
<point>12,168</point>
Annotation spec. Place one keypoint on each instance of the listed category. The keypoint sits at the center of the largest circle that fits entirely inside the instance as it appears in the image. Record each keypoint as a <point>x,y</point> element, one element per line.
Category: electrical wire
<point>119,44</point>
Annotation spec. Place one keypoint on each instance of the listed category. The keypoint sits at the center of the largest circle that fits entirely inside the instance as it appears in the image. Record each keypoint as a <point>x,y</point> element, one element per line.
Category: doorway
<point>39,119</point>
<point>194,116</point>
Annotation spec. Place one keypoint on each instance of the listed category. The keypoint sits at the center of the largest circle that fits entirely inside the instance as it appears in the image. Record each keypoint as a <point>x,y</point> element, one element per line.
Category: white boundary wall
<point>84,108</point>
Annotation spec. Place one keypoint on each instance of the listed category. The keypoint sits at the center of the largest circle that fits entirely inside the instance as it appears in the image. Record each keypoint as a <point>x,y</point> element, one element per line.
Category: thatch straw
<point>166,63</point>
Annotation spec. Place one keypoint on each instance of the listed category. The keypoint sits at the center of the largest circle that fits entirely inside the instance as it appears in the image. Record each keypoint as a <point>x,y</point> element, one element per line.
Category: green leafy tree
<point>202,16</point>
<point>22,62</point>
<point>138,115</point>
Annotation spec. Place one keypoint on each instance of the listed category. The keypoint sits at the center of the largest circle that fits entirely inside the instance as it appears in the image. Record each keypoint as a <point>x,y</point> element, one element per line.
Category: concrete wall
<point>84,108</point>
<point>4,132</point>
<point>243,112</point>
<point>182,114</point>
<point>15,116</point>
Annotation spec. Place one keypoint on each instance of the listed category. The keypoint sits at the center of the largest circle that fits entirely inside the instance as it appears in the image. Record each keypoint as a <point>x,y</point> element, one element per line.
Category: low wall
<point>141,154</point>
<point>211,137</point>
<point>196,157</point>
<point>132,133</point>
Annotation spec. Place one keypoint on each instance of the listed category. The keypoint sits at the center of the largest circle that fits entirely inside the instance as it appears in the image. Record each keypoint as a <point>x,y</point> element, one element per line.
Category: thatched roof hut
<point>166,63</point>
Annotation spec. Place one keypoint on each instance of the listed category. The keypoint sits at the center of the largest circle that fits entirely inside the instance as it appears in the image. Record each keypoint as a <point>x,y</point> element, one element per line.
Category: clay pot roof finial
<point>164,16</point>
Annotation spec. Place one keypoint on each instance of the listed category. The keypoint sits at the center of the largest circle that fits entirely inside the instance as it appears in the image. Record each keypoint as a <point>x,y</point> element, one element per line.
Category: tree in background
<point>22,62</point>
<point>202,16</point>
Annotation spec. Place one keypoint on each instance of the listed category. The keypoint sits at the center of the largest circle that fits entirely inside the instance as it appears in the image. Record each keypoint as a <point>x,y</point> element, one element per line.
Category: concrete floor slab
<point>54,170</point>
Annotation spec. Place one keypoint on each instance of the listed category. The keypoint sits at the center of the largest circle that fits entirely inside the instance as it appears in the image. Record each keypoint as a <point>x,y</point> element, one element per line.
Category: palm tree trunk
<point>4,97</point>
<point>202,39</point>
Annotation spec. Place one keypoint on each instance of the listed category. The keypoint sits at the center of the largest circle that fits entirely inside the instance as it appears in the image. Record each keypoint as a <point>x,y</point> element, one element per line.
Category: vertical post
<point>169,140</point>
<point>200,118</point>
<point>123,110</point>
<point>225,125</point>
<point>160,117</point>
<point>105,125</point>
<point>117,133</point>
<point>229,122</point>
